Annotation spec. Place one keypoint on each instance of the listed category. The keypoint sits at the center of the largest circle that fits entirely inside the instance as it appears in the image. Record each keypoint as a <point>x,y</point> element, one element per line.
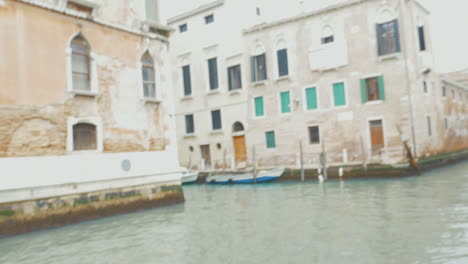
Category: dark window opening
<point>84,137</point>
<point>183,28</point>
<point>388,38</point>
<point>283,62</point>
<point>216,119</point>
<point>234,77</point>
<point>213,72</point>
<point>209,19</point>
<point>328,39</point>
<point>237,127</point>
<point>189,124</point>
<point>187,80</point>
<point>258,66</point>
<point>422,41</point>
<point>314,135</point>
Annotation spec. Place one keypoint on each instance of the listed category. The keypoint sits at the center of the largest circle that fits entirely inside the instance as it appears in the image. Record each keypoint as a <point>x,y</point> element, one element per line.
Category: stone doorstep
<point>21,217</point>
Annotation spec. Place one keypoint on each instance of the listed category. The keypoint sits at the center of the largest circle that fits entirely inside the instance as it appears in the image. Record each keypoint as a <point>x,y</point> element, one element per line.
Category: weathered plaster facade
<point>36,100</point>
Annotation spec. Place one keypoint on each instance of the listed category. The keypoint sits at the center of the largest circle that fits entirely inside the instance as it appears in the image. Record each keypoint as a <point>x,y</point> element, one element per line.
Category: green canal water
<point>410,220</point>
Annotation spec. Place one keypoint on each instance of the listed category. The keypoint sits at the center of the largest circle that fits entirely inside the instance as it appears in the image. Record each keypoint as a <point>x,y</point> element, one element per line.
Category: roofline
<point>454,83</point>
<point>195,11</point>
<point>422,6</point>
<point>303,16</point>
<point>98,21</point>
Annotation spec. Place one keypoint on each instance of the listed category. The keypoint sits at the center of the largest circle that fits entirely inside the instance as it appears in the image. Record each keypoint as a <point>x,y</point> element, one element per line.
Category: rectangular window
<point>216,119</point>
<point>213,73</point>
<point>446,123</point>
<point>425,86</point>
<point>234,77</point>
<point>183,28</point>
<point>285,102</point>
<point>388,38</point>
<point>311,98</point>
<point>429,127</point>
<point>209,19</point>
<point>372,89</point>
<point>270,139</point>
<point>444,91</point>
<point>314,135</point>
<point>339,94</point>
<point>422,41</point>
<point>283,62</point>
<point>328,39</point>
<point>259,110</point>
<point>258,68</point>
<point>187,81</point>
<point>189,124</point>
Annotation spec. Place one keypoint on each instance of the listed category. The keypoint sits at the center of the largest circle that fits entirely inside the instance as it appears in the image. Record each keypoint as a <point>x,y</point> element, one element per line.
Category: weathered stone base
<point>21,217</point>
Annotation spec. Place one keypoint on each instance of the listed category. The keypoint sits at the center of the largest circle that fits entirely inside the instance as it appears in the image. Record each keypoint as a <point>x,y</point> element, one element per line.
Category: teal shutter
<point>381,88</point>
<point>259,106</point>
<point>397,36</point>
<point>311,98</point>
<point>270,139</point>
<point>339,94</point>
<point>285,102</point>
<point>364,91</point>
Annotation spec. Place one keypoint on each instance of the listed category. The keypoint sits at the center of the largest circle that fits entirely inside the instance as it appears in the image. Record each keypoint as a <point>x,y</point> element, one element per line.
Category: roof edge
<point>195,11</point>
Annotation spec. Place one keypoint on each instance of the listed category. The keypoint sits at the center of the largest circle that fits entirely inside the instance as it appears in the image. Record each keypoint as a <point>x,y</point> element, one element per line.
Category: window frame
<point>93,120</point>
<point>255,70</point>
<point>422,38</point>
<point>274,140</point>
<point>279,75</point>
<point>254,102</point>
<point>143,82</point>
<point>280,102</point>
<point>230,83</point>
<point>381,52</point>
<point>332,97</point>
<point>208,17</point>
<point>309,130</point>
<point>212,120</point>
<point>183,28</point>
<point>187,132</point>
<point>216,72</point>
<point>184,95</point>
<point>317,91</point>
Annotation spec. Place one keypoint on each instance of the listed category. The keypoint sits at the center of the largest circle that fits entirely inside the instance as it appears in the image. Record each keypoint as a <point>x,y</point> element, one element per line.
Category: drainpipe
<point>408,85</point>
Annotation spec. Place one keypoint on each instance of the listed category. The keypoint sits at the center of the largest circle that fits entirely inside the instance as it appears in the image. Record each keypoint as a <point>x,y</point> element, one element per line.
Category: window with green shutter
<point>259,106</point>
<point>372,89</point>
<point>339,94</point>
<point>213,72</point>
<point>311,98</point>
<point>285,102</point>
<point>270,139</point>
<point>283,62</point>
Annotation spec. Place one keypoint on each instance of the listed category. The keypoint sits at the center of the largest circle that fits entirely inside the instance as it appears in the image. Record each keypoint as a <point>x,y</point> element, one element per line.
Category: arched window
<point>237,127</point>
<point>81,77</point>
<point>84,137</point>
<point>388,37</point>
<point>147,69</point>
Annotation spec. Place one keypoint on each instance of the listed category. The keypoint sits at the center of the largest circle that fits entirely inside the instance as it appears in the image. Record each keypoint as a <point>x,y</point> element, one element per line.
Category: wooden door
<point>377,136</point>
<point>205,152</point>
<point>239,148</point>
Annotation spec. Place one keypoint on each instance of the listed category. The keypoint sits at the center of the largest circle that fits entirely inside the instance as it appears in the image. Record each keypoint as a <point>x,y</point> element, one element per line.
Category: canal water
<point>420,219</point>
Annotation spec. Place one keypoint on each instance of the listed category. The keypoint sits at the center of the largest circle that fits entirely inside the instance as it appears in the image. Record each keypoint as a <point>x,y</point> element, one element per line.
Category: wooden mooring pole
<point>302,159</point>
<point>254,164</point>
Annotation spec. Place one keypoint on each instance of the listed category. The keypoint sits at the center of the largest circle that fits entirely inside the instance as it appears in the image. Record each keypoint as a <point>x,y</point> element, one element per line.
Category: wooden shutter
<point>187,81</point>
<point>270,139</point>
<point>339,94</point>
<point>282,62</point>
<point>285,102</point>
<point>216,119</point>
<point>381,87</point>
<point>364,91</point>
<point>213,72</point>
<point>311,98</point>
<point>397,36</point>
<point>259,106</point>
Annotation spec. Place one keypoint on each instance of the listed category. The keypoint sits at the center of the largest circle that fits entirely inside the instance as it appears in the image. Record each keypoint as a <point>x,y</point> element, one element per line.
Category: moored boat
<point>247,177</point>
<point>189,176</point>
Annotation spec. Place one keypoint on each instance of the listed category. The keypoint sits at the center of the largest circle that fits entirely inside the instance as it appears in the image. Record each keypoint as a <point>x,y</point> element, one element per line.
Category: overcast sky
<point>449,24</point>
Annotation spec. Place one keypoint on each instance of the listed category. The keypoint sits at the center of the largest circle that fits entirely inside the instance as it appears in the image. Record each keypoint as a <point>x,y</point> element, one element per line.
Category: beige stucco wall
<point>34,96</point>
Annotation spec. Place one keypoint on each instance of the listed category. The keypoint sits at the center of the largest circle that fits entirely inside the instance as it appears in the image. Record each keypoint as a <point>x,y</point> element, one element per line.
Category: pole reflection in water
<point>409,220</point>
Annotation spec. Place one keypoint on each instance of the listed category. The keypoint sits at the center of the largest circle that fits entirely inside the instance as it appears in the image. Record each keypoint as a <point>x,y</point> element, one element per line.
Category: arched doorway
<point>238,138</point>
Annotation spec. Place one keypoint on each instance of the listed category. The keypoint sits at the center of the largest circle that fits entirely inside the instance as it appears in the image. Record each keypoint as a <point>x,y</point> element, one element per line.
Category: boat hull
<point>189,178</point>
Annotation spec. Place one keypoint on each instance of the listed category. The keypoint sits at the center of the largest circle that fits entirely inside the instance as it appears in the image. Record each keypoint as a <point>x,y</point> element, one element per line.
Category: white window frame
<point>215,131</point>
<point>259,49</point>
<point>94,120</point>
<point>94,83</point>
<point>367,76</point>
<point>157,79</point>
<point>304,104</point>
<point>280,45</point>
<point>185,126</point>
<point>254,116</point>
<point>384,15</point>
<point>332,97</point>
